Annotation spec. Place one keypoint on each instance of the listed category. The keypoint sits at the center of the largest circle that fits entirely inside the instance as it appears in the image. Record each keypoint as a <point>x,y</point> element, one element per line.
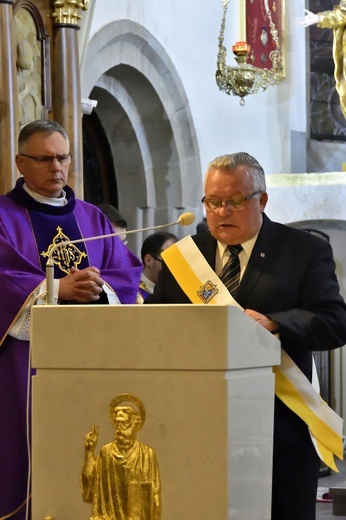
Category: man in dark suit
<point>288,285</point>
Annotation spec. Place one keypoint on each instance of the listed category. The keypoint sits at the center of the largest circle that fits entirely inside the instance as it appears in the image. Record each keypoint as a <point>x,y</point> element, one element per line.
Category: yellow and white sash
<point>202,286</point>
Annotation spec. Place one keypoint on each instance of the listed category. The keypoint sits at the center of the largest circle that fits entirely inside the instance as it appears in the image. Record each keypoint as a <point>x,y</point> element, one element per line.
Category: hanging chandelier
<point>245,79</point>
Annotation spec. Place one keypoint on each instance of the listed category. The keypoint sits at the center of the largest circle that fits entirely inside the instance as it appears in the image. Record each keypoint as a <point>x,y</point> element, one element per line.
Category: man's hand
<point>81,286</point>
<point>309,19</point>
<point>263,320</point>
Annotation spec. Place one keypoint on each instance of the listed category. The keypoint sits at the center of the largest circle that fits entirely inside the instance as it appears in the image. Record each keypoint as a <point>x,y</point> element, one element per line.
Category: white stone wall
<point>189,33</point>
<point>296,197</point>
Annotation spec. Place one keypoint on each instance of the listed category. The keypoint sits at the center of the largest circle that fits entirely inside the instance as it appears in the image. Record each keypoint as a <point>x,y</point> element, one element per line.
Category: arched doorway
<point>99,174</point>
<point>146,117</point>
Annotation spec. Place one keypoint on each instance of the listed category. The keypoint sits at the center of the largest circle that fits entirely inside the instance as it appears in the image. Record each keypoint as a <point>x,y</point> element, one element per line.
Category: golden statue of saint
<point>336,20</point>
<point>122,482</point>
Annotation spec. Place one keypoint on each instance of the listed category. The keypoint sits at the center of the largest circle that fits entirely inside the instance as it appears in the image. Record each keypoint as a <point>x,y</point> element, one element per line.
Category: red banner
<point>258,31</point>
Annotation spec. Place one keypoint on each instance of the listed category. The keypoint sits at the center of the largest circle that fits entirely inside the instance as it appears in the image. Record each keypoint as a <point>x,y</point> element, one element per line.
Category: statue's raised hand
<point>309,19</point>
<point>90,439</point>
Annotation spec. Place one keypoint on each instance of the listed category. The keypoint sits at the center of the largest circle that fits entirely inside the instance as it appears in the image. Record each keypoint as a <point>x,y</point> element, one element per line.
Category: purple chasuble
<point>27,229</point>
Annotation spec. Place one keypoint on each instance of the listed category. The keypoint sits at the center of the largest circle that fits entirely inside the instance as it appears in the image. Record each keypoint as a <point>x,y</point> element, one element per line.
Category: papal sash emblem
<point>207,291</point>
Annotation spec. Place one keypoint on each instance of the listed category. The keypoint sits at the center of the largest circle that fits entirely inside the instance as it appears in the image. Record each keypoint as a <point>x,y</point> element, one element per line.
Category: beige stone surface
<point>209,406</point>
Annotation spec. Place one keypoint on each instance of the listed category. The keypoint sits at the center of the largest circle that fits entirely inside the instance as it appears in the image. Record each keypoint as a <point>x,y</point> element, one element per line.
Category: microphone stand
<point>185,219</point>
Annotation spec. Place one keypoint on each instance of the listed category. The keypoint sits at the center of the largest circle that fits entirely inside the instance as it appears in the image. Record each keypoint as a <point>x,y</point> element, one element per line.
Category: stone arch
<point>145,112</point>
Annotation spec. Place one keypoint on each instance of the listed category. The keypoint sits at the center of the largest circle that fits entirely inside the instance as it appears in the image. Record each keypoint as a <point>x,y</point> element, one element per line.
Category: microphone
<point>185,219</point>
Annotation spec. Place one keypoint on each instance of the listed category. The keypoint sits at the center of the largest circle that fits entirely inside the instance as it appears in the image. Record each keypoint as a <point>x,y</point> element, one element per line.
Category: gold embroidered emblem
<point>65,257</point>
<point>207,291</point>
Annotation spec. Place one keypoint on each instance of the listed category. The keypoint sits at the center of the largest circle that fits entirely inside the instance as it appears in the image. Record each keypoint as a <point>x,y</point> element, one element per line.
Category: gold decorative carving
<point>29,68</point>
<point>66,11</point>
<point>122,482</point>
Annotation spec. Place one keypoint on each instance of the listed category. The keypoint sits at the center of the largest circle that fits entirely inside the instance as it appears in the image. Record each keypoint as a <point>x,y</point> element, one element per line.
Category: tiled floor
<point>324,510</point>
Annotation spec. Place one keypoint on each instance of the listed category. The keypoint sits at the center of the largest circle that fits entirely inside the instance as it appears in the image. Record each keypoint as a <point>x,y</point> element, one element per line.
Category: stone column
<point>66,83</point>
<point>8,98</point>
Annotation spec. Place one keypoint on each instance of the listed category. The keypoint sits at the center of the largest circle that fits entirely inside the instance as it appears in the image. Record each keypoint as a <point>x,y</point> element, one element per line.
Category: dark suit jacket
<point>291,278</point>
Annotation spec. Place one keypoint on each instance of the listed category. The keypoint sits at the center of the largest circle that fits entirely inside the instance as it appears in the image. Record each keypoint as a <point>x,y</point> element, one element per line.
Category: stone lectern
<point>204,374</point>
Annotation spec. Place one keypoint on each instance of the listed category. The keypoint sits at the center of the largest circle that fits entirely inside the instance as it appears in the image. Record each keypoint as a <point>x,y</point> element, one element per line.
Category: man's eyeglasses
<point>63,159</point>
<point>233,204</point>
<point>155,258</point>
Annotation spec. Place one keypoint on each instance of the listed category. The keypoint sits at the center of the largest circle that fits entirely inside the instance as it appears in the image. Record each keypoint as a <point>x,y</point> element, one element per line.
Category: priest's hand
<point>81,286</point>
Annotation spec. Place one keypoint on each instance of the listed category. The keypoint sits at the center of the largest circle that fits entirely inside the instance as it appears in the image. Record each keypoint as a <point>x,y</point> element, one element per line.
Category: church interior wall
<point>153,119</point>
<point>264,126</point>
<point>189,35</point>
<point>298,151</point>
<point>326,156</point>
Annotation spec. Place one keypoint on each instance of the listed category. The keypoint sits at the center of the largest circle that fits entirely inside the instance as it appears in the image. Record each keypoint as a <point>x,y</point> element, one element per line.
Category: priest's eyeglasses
<point>63,159</point>
<point>233,204</point>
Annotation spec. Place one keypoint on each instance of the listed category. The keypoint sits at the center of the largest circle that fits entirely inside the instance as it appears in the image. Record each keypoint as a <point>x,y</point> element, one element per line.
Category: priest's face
<point>44,162</point>
<point>227,224</point>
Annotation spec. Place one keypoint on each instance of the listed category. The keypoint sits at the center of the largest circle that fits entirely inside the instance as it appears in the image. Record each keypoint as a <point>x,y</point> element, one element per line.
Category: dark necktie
<point>230,274</point>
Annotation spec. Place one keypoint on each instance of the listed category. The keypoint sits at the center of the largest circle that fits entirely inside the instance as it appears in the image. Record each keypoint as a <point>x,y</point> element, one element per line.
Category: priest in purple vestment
<point>38,213</point>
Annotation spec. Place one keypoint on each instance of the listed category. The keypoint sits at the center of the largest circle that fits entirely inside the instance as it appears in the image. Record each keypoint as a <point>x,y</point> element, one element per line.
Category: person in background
<point>39,212</point>
<point>334,19</point>
<point>202,226</point>
<point>284,279</point>
<point>118,222</point>
<point>151,250</point>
